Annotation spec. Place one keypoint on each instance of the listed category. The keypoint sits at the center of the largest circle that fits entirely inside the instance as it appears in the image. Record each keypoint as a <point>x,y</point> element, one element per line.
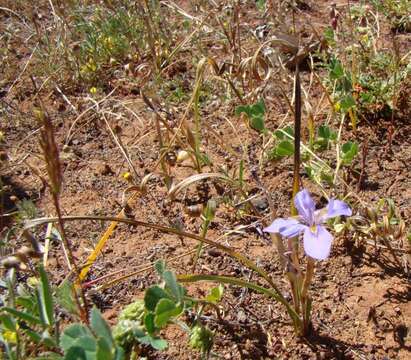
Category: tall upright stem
<point>297,138</point>
<point>295,276</point>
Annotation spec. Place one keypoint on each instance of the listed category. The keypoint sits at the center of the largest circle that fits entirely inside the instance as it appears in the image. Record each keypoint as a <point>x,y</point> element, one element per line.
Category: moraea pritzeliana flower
<point>316,239</point>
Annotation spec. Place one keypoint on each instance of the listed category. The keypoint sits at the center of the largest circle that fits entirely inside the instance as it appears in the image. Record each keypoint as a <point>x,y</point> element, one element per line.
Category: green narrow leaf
<point>35,336</point>
<point>100,327</point>
<point>24,316</point>
<point>28,302</point>
<point>46,299</point>
<point>8,322</point>
<point>64,297</point>
<point>48,340</point>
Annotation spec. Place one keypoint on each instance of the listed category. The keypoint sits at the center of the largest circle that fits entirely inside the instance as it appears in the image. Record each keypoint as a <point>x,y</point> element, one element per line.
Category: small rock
<point>241,316</point>
<point>260,203</point>
<point>213,252</point>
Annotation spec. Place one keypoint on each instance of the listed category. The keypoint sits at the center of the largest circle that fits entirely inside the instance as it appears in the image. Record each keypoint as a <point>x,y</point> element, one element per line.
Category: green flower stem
<point>250,285</point>
<point>305,299</point>
<point>204,230</point>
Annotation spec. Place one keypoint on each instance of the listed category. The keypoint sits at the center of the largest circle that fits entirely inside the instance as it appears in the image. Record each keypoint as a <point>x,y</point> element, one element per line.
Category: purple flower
<point>317,240</point>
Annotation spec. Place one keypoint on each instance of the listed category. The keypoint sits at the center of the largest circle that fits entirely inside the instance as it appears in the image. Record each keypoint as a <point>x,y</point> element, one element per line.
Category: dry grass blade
<point>47,244</point>
<point>123,150</point>
<point>228,250</point>
<point>191,180</point>
<point>103,240</point>
<point>141,269</point>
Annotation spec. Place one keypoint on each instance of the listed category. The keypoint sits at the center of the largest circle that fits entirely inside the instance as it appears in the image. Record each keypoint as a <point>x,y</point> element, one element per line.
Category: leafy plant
<point>255,114</point>
<point>80,342</point>
<point>397,11</point>
<point>325,137</point>
<point>107,38</point>
<point>29,315</point>
<point>349,151</point>
<point>141,322</point>
<point>285,146</point>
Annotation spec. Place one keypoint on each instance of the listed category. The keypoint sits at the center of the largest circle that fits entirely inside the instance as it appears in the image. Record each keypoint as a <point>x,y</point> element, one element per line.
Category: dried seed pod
<point>401,230</point>
<point>144,181</point>
<point>182,155</point>
<point>11,262</point>
<point>13,198</point>
<point>22,256</point>
<point>386,224</point>
<point>27,252</point>
<point>194,210</point>
<point>37,248</point>
<point>171,158</point>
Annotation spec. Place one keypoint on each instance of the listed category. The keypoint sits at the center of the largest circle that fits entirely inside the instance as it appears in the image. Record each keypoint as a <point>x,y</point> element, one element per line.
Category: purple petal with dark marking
<point>305,206</point>
<point>286,227</point>
<point>317,244</point>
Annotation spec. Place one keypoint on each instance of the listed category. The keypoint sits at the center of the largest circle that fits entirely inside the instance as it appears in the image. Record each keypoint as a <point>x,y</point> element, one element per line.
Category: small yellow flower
<point>93,90</point>
<point>127,176</point>
<point>10,336</point>
<point>337,106</point>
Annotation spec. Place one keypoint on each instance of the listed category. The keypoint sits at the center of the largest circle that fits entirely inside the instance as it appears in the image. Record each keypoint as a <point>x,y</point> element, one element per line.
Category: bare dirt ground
<point>361,307</point>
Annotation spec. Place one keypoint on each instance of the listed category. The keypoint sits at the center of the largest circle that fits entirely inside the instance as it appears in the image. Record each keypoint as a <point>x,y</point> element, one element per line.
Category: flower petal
<point>305,206</point>
<point>337,208</point>
<point>286,227</point>
<point>317,245</point>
